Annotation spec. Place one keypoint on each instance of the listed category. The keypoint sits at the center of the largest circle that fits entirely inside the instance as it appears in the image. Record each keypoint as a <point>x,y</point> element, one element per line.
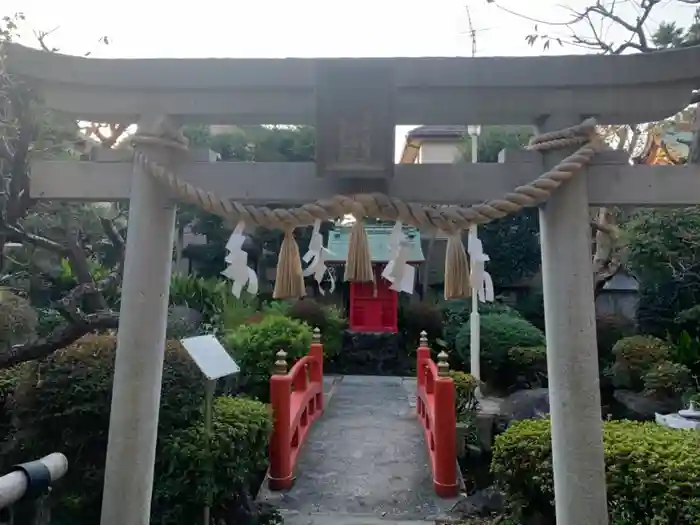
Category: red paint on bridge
<point>436,409</point>
<point>297,401</point>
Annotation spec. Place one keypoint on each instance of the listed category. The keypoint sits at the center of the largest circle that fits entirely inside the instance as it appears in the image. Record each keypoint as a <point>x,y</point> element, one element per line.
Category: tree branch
<point>59,338</point>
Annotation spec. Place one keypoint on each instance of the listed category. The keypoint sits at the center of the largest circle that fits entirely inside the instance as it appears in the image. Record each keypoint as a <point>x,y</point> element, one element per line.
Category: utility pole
<point>474,320</point>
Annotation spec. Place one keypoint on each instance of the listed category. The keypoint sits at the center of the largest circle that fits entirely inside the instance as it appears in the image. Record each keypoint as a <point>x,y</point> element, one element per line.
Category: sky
<point>306,28</point>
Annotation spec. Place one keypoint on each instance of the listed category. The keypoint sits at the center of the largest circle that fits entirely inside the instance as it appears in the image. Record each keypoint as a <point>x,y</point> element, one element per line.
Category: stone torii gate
<point>355,104</point>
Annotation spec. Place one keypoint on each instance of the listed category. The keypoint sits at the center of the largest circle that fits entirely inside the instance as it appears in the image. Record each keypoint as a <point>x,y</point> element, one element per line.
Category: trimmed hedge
<point>254,346</point>
<point>62,403</point>
<point>634,357</point>
<point>499,334</point>
<point>465,393</point>
<point>455,314</point>
<point>529,366</point>
<point>326,318</point>
<point>652,472</point>
<point>240,434</point>
<point>667,380</point>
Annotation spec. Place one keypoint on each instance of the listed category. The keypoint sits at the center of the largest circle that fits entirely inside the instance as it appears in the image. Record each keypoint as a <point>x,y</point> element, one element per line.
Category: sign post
<point>214,362</point>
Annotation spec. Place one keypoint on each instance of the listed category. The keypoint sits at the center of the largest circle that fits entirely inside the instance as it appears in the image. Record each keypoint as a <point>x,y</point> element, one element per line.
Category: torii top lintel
<point>497,90</point>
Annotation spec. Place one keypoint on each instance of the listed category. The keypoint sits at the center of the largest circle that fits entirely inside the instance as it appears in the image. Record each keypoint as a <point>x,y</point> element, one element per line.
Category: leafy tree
<point>519,232</point>
<point>249,144</point>
<point>588,28</point>
<point>58,240</point>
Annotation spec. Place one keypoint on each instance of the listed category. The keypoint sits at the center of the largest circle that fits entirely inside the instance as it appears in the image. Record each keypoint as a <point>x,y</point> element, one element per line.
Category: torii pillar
<point>572,354</point>
<point>138,368</point>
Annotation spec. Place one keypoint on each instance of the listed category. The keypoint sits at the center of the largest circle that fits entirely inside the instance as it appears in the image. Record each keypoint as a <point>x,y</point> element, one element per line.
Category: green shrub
<point>529,365</point>
<point>653,472</point>
<point>308,311</point>
<point>634,356</point>
<point>499,333</point>
<point>276,307</point>
<point>48,320</point>
<point>417,317</point>
<point>610,328</point>
<point>10,378</point>
<point>212,298</point>
<point>337,323</point>
<point>239,450</point>
<point>62,403</point>
<point>465,394</point>
<point>686,351</point>
<point>327,319</point>
<point>667,380</point>
<point>254,346</point>
<point>18,320</point>
<point>530,306</point>
<point>455,314</point>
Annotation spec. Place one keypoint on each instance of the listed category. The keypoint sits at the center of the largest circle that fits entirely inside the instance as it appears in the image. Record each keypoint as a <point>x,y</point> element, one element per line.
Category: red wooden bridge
<point>384,444</point>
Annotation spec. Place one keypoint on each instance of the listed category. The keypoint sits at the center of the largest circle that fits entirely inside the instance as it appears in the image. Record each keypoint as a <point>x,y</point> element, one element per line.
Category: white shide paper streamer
<point>398,272</point>
<point>315,257</point>
<point>238,270</point>
<point>479,278</point>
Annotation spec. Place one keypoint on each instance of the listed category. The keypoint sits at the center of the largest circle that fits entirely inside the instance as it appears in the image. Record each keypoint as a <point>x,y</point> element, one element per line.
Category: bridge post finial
<point>316,338</point>
<point>280,367</point>
<point>423,338</point>
<point>443,366</point>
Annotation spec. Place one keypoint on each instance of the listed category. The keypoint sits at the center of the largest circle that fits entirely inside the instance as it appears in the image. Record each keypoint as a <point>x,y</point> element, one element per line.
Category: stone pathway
<point>365,460</point>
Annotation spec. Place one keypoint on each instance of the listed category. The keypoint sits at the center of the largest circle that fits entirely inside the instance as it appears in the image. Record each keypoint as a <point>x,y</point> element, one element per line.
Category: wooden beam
<point>293,183</point>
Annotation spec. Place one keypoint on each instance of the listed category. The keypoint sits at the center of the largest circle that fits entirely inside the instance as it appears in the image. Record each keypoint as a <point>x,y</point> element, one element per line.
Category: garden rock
<point>638,407</point>
<point>183,321</point>
<point>482,503</point>
<point>525,404</point>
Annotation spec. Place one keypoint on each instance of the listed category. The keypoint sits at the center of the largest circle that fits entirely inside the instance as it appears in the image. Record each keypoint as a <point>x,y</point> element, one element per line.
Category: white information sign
<point>210,356</point>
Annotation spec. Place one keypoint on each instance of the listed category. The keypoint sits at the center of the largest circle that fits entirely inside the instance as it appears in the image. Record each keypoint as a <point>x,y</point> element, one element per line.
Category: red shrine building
<point>373,307</point>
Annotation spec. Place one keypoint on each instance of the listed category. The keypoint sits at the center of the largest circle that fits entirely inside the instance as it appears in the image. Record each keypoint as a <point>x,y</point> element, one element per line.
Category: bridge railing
<point>435,405</point>
<point>297,401</point>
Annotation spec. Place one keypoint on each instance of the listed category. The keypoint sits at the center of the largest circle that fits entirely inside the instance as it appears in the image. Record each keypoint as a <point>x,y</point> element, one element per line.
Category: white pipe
<point>474,320</point>
<point>14,485</point>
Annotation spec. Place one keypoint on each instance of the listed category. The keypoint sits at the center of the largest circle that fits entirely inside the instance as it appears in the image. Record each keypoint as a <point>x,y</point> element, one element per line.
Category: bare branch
<point>113,234</point>
<point>59,338</point>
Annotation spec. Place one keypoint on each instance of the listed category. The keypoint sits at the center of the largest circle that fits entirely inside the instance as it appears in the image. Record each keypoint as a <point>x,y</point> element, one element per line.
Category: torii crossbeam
<point>355,104</point>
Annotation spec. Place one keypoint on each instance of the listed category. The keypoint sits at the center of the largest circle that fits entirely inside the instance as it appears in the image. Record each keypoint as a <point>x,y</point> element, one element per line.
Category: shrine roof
<point>378,238</point>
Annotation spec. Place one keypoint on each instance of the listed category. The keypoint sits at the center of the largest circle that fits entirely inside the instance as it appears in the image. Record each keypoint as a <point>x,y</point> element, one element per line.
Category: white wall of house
<point>443,152</point>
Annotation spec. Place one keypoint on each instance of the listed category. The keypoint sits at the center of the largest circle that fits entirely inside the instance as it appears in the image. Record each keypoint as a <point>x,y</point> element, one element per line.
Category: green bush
<point>634,356</point>
<point>10,378</point>
<point>327,319</point>
<point>212,298</point>
<point>417,317</point>
<point>18,320</point>
<point>610,329</point>
<point>667,380</point>
<point>241,430</point>
<point>499,333</point>
<point>652,472</point>
<point>63,404</point>
<point>48,320</point>
<point>465,394</point>
<point>529,365</point>
<point>455,313</point>
<point>254,346</point>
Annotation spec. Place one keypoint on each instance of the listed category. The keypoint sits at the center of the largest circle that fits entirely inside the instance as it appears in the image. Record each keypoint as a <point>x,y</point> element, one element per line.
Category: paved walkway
<point>365,460</point>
